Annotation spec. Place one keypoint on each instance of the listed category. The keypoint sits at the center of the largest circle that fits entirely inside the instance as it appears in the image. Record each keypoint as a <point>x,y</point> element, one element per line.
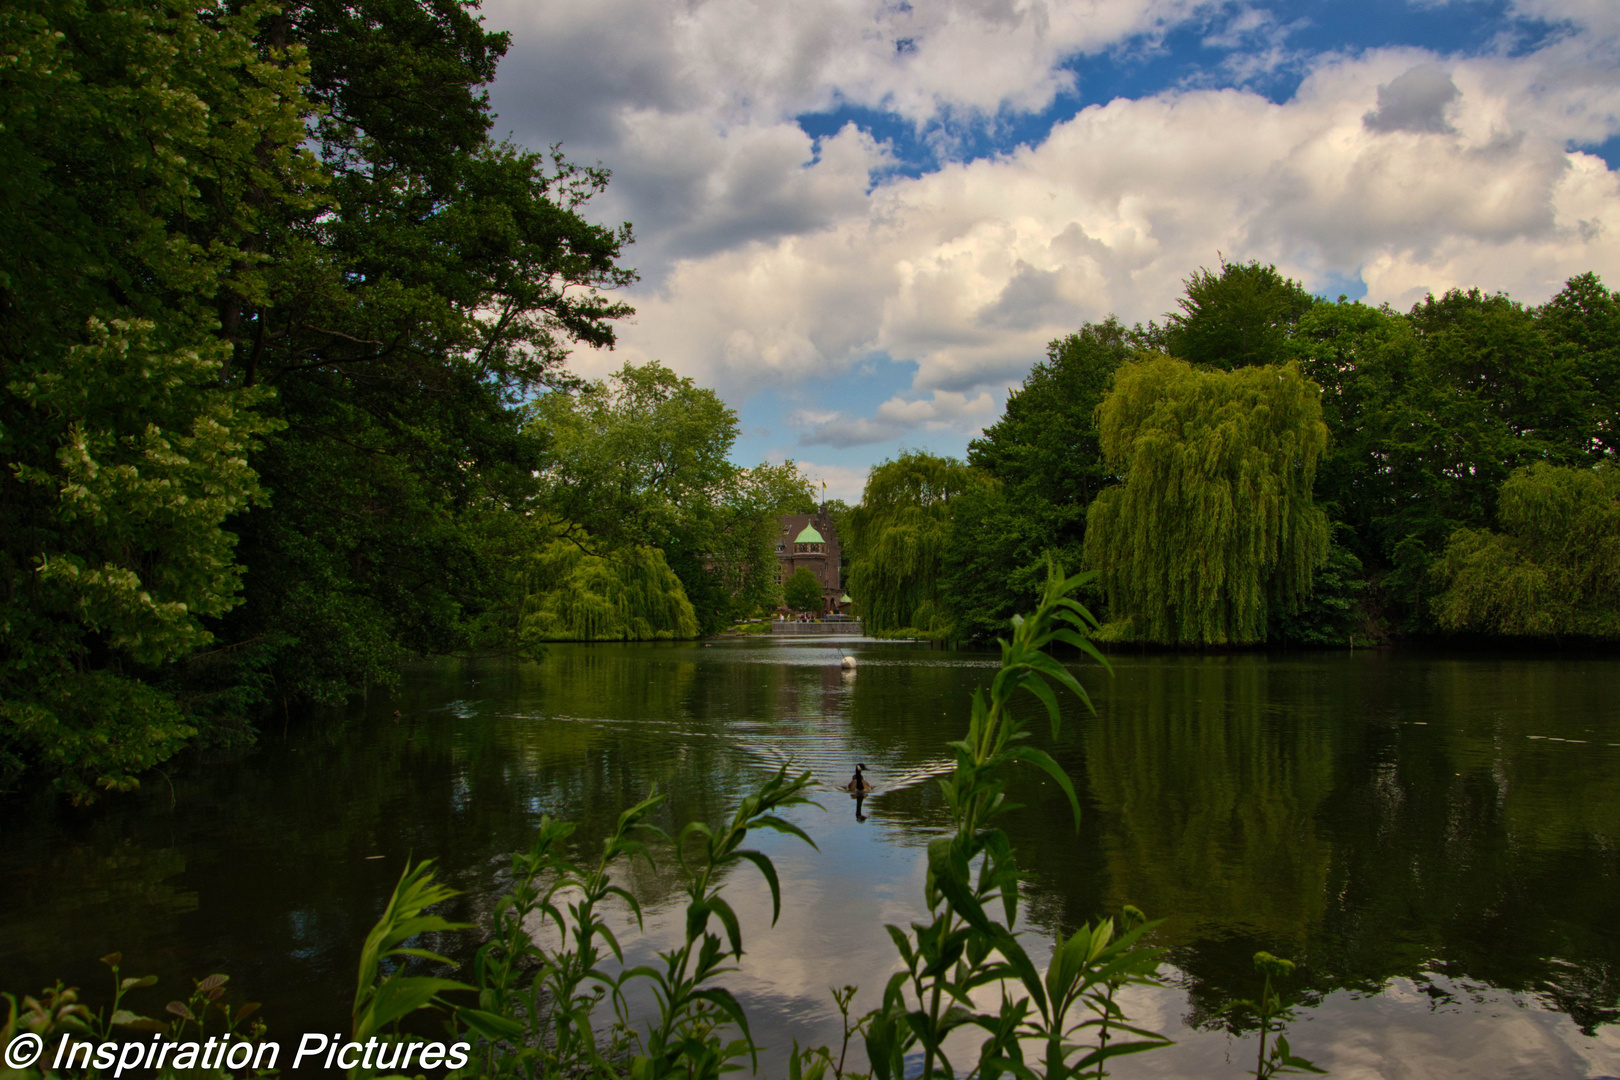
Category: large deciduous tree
<point>1243,315</point>
<point>1213,526</point>
<point>641,458</point>
<point>1553,569</point>
<point>1582,327</point>
<point>148,148</point>
<point>1047,463</point>
<point>404,326</point>
<point>897,538</point>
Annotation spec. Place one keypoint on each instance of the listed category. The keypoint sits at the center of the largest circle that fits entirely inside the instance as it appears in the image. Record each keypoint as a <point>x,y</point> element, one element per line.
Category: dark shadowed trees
<point>147,148</point>
<point>1241,316</point>
<point>1047,464</point>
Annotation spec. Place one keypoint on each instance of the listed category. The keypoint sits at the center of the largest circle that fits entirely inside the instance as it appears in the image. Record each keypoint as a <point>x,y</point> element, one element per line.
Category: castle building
<point>811,541</point>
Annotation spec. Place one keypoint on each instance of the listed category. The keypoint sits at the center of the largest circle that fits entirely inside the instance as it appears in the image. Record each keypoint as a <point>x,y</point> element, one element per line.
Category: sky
<point>862,221</point>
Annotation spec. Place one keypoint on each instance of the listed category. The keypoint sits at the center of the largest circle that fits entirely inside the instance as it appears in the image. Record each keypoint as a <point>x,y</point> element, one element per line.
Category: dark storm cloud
<point>1416,101</point>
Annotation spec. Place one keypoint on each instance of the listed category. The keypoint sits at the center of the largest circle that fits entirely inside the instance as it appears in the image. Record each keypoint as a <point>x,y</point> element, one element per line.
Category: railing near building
<point>818,627</point>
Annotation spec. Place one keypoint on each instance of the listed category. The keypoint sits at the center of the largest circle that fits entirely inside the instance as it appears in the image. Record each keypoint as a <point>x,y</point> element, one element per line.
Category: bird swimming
<point>859,784</point>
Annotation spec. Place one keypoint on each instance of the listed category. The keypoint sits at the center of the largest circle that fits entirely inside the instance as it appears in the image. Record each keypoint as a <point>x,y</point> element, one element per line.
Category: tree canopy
<point>629,594</point>
<point>1553,569</point>
<point>270,300</point>
<point>897,538</point>
<point>642,458</point>
<point>802,591</point>
<point>1243,315</point>
<point>1428,413</point>
<point>1213,525</point>
<point>147,149</point>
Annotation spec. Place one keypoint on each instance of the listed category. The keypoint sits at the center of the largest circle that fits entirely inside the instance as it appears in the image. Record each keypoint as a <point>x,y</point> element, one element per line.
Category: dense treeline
<point>282,397</point>
<point>1268,466</point>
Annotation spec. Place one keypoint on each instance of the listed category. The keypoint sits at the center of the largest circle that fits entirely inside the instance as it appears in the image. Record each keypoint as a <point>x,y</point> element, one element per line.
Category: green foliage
<point>986,573</point>
<point>802,591</point>
<point>1582,327</point>
<point>1213,527</point>
<point>1430,412</point>
<point>626,595</point>
<point>1048,464</point>
<point>405,323</point>
<point>1244,315</point>
<point>897,538</point>
<point>641,458</point>
<point>1271,1010</point>
<point>1489,351</point>
<point>146,145</point>
<point>1329,616</point>
<point>258,250</point>
<point>59,1013</point>
<point>972,876</point>
<point>383,997</point>
<point>538,1005</point>
<point>1554,568</point>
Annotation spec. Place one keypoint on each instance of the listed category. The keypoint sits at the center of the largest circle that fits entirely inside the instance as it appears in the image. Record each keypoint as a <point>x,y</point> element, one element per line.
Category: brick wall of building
<point>822,560</point>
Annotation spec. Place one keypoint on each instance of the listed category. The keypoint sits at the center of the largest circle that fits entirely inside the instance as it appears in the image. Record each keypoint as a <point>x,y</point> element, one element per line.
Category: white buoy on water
<point>848,663</point>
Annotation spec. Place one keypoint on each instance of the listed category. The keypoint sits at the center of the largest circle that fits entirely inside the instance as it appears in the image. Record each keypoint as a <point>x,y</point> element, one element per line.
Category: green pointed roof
<point>809,536</point>
<point>845,599</point>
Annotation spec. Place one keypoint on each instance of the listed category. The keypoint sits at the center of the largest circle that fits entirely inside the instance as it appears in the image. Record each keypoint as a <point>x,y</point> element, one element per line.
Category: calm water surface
<point>1435,840</point>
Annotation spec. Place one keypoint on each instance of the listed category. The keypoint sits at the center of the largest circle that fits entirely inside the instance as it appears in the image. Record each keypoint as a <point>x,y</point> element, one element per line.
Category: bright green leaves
<point>896,541</point>
<point>383,1001</point>
<point>129,546</point>
<point>629,594</point>
<point>292,196</point>
<point>148,145</point>
<point>1214,524</point>
<point>637,457</point>
<point>963,948</point>
<point>147,474</point>
<point>640,458</point>
<point>1553,569</point>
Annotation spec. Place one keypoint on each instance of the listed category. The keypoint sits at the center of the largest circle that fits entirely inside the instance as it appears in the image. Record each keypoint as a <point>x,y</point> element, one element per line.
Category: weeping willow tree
<point>1553,570</point>
<point>630,594</point>
<point>896,540</point>
<point>1212,528</point>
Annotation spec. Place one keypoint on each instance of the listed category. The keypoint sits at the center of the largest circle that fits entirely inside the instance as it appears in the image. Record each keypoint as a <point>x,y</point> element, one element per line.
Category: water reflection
<point>1433,838</point>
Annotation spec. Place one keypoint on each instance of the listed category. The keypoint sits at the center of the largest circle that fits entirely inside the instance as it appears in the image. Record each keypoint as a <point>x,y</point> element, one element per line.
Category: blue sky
<point>861,220</point>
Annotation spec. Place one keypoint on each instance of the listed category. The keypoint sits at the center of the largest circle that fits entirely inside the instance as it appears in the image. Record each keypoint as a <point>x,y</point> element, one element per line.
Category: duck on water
<point>859,785</point>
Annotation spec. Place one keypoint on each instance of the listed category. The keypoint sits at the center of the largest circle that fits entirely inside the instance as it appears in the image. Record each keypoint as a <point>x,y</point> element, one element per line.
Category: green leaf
<point>728,919</point>
<point>492,1026</point>
<point>770,822</point>
<point>397,998</point>
<point>1049,699</point>
<point>721,998</point>
<point>769,871</point>
<point>1043,761</point>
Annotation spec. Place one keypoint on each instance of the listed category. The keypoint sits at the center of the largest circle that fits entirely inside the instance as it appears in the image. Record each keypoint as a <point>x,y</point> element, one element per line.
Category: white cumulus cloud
<point>774,260</point>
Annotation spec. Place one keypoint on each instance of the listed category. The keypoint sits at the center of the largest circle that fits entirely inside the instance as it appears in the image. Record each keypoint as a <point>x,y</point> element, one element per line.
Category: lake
<point>1435,839</point>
